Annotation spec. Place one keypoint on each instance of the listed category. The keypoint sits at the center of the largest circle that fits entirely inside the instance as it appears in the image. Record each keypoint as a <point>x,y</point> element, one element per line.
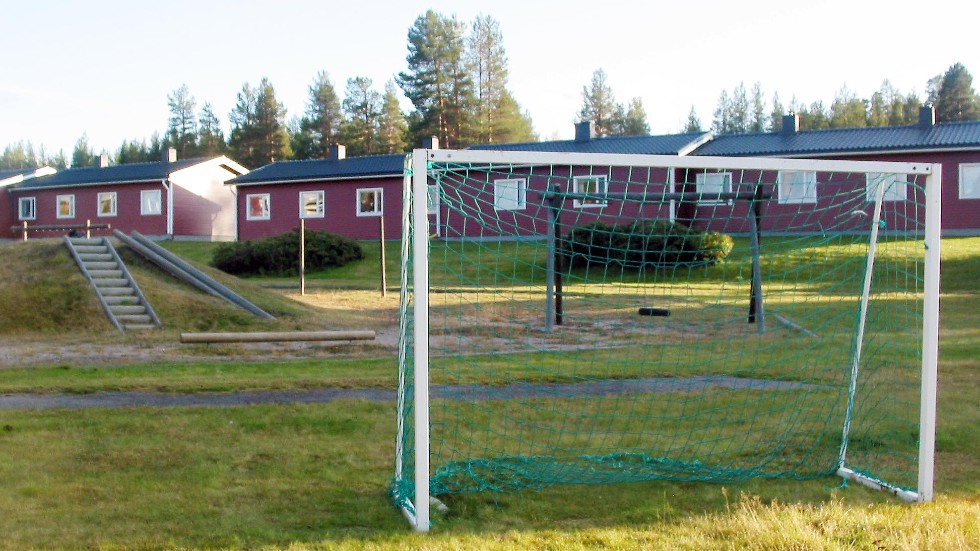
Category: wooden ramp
<point>121,298</point>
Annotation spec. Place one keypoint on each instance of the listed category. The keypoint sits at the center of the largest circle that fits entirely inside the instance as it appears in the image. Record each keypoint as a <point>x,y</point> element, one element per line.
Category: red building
<point>171,198</point>
<point>956,146</point>
<point>348,197</point>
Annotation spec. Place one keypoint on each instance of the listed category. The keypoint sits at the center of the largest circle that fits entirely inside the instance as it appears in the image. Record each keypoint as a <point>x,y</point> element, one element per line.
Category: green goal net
<point>593,319</point>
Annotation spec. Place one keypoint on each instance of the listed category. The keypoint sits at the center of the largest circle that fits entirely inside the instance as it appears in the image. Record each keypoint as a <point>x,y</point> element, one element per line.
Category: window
<point>710,186</point>
<point>970,181</point>
<point>894,187</point>
<point>591,185</point>
<point>151,202</point>
<point>797,187</point>
<point>107,203</point>
<point>27,208</point>
<point>257,206</point>
<point>65,206</point>
<point>510,194</point>
<point>311,204</point>
<point>370,202</point>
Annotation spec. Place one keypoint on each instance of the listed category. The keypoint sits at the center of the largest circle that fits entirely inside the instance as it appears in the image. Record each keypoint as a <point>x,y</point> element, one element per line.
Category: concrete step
<point>118,292</point>
<point>111,265</point>
<point>120,300</point>
<point>91,249</point>
<point>141,319</point>
<point>105,274</point>
<point>94,257</point>
<point>139,326</point>
<point>127,309</point>
<point>85,241</point>
<point>110,282</point>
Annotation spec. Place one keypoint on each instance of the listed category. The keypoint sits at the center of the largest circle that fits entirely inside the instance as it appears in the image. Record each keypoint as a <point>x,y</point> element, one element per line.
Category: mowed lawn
<point>310,476</point>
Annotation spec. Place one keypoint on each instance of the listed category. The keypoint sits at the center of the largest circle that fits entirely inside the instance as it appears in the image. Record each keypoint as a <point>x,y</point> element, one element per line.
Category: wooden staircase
<point>121,298</point>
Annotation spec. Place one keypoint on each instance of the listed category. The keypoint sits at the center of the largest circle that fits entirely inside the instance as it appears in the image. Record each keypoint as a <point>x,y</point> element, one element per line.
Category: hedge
<point>279,255</point>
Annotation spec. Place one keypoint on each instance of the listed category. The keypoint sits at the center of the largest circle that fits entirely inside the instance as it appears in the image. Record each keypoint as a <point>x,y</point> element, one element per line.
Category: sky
<point>104,68</point>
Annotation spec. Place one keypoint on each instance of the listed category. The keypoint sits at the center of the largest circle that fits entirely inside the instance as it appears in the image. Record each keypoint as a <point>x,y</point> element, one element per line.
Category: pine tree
<point>955,99</point>
<point>497,116</point>
<point>320,126</point>
<point>693,123</point>
<point>258,133</point>
<point>739,113</point>
<point>182,125</point>
<point>723,113</point>
<point>634,121</point>
<point>392,126</point>
<point>776,114</point>
<point>361,128</point>
<point>814,117</point>
<point>134,151</point>
<point>82,155</point>
<point>599,105</point>
<point>17,156</point>
<point>758,117</point>
<point>210,137</point>
<point>438,81</point>
<point>848,110</point>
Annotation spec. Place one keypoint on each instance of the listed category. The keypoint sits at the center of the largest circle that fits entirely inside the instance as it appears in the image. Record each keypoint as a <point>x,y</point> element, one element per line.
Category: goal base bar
<point>409,514</point>
<point>875,484</point>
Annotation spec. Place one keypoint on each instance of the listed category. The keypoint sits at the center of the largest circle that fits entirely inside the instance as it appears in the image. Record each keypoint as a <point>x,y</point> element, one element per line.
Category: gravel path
<point>454,392</point>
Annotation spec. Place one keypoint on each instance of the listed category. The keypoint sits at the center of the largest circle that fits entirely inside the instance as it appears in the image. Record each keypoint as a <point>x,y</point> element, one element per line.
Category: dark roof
<point>136,172</point>
<point>946,136</point>
<point>669,144</point>
<point>4,174</point>
<point>324,169</point>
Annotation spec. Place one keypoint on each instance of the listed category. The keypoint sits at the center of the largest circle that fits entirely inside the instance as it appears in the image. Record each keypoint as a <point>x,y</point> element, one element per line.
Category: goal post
<point>581,319</point>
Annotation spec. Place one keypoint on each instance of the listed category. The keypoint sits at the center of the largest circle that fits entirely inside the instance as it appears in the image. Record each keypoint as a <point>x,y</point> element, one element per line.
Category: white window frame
<point>510,194</point>
<point>788,181</point>
<point>895,190</point>
<point>67,199</point>
<point>601,188</point>
<point>319,200</point>
<point>113,204</point>
<point>379,201</point>
<point>32,201</point>
<point>969,188</point>
<point>265,206</point>
<point>703,180</point>
<point>147,200</point>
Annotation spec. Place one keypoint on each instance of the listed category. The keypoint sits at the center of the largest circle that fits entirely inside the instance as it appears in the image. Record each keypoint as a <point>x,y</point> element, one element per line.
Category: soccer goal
<point>598,319</point>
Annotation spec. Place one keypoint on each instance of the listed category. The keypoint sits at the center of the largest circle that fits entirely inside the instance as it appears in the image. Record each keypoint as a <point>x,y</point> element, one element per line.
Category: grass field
<point>311,476</point>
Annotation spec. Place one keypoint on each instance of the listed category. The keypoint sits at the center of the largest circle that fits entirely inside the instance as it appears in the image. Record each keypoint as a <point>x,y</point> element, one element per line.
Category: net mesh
<point>597,324</point>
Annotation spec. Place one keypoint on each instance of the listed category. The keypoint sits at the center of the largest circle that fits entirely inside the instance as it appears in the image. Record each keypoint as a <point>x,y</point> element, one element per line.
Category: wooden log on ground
<point>288,336</point>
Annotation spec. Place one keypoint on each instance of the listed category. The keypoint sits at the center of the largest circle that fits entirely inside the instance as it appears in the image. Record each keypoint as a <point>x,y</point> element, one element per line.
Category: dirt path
<point>438,392</point>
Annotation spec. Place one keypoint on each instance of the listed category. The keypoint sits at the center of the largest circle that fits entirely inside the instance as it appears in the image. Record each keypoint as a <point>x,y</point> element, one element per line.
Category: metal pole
<point>930,336</point>
<point>25,230</point>
<point>556,205</point>
<point>756,313</point>
<point>384,276</point>
<point>549,299</point>
<point>420,290</point>
<point>302,256</point>
<point>88,229</point>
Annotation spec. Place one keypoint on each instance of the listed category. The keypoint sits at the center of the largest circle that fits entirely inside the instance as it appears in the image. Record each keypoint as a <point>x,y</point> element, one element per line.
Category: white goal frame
<point>417,180</point>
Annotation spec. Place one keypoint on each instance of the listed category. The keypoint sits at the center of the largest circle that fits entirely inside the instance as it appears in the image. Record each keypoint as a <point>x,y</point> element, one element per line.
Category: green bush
<point>279,255</point>
<point>644,243</point>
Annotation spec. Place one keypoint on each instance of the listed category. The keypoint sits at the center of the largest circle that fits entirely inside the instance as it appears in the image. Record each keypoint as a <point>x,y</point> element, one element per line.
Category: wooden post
<point>25,230</point>
<point>384,278</point>
<point>302,256</point>
<point>88,229</point>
